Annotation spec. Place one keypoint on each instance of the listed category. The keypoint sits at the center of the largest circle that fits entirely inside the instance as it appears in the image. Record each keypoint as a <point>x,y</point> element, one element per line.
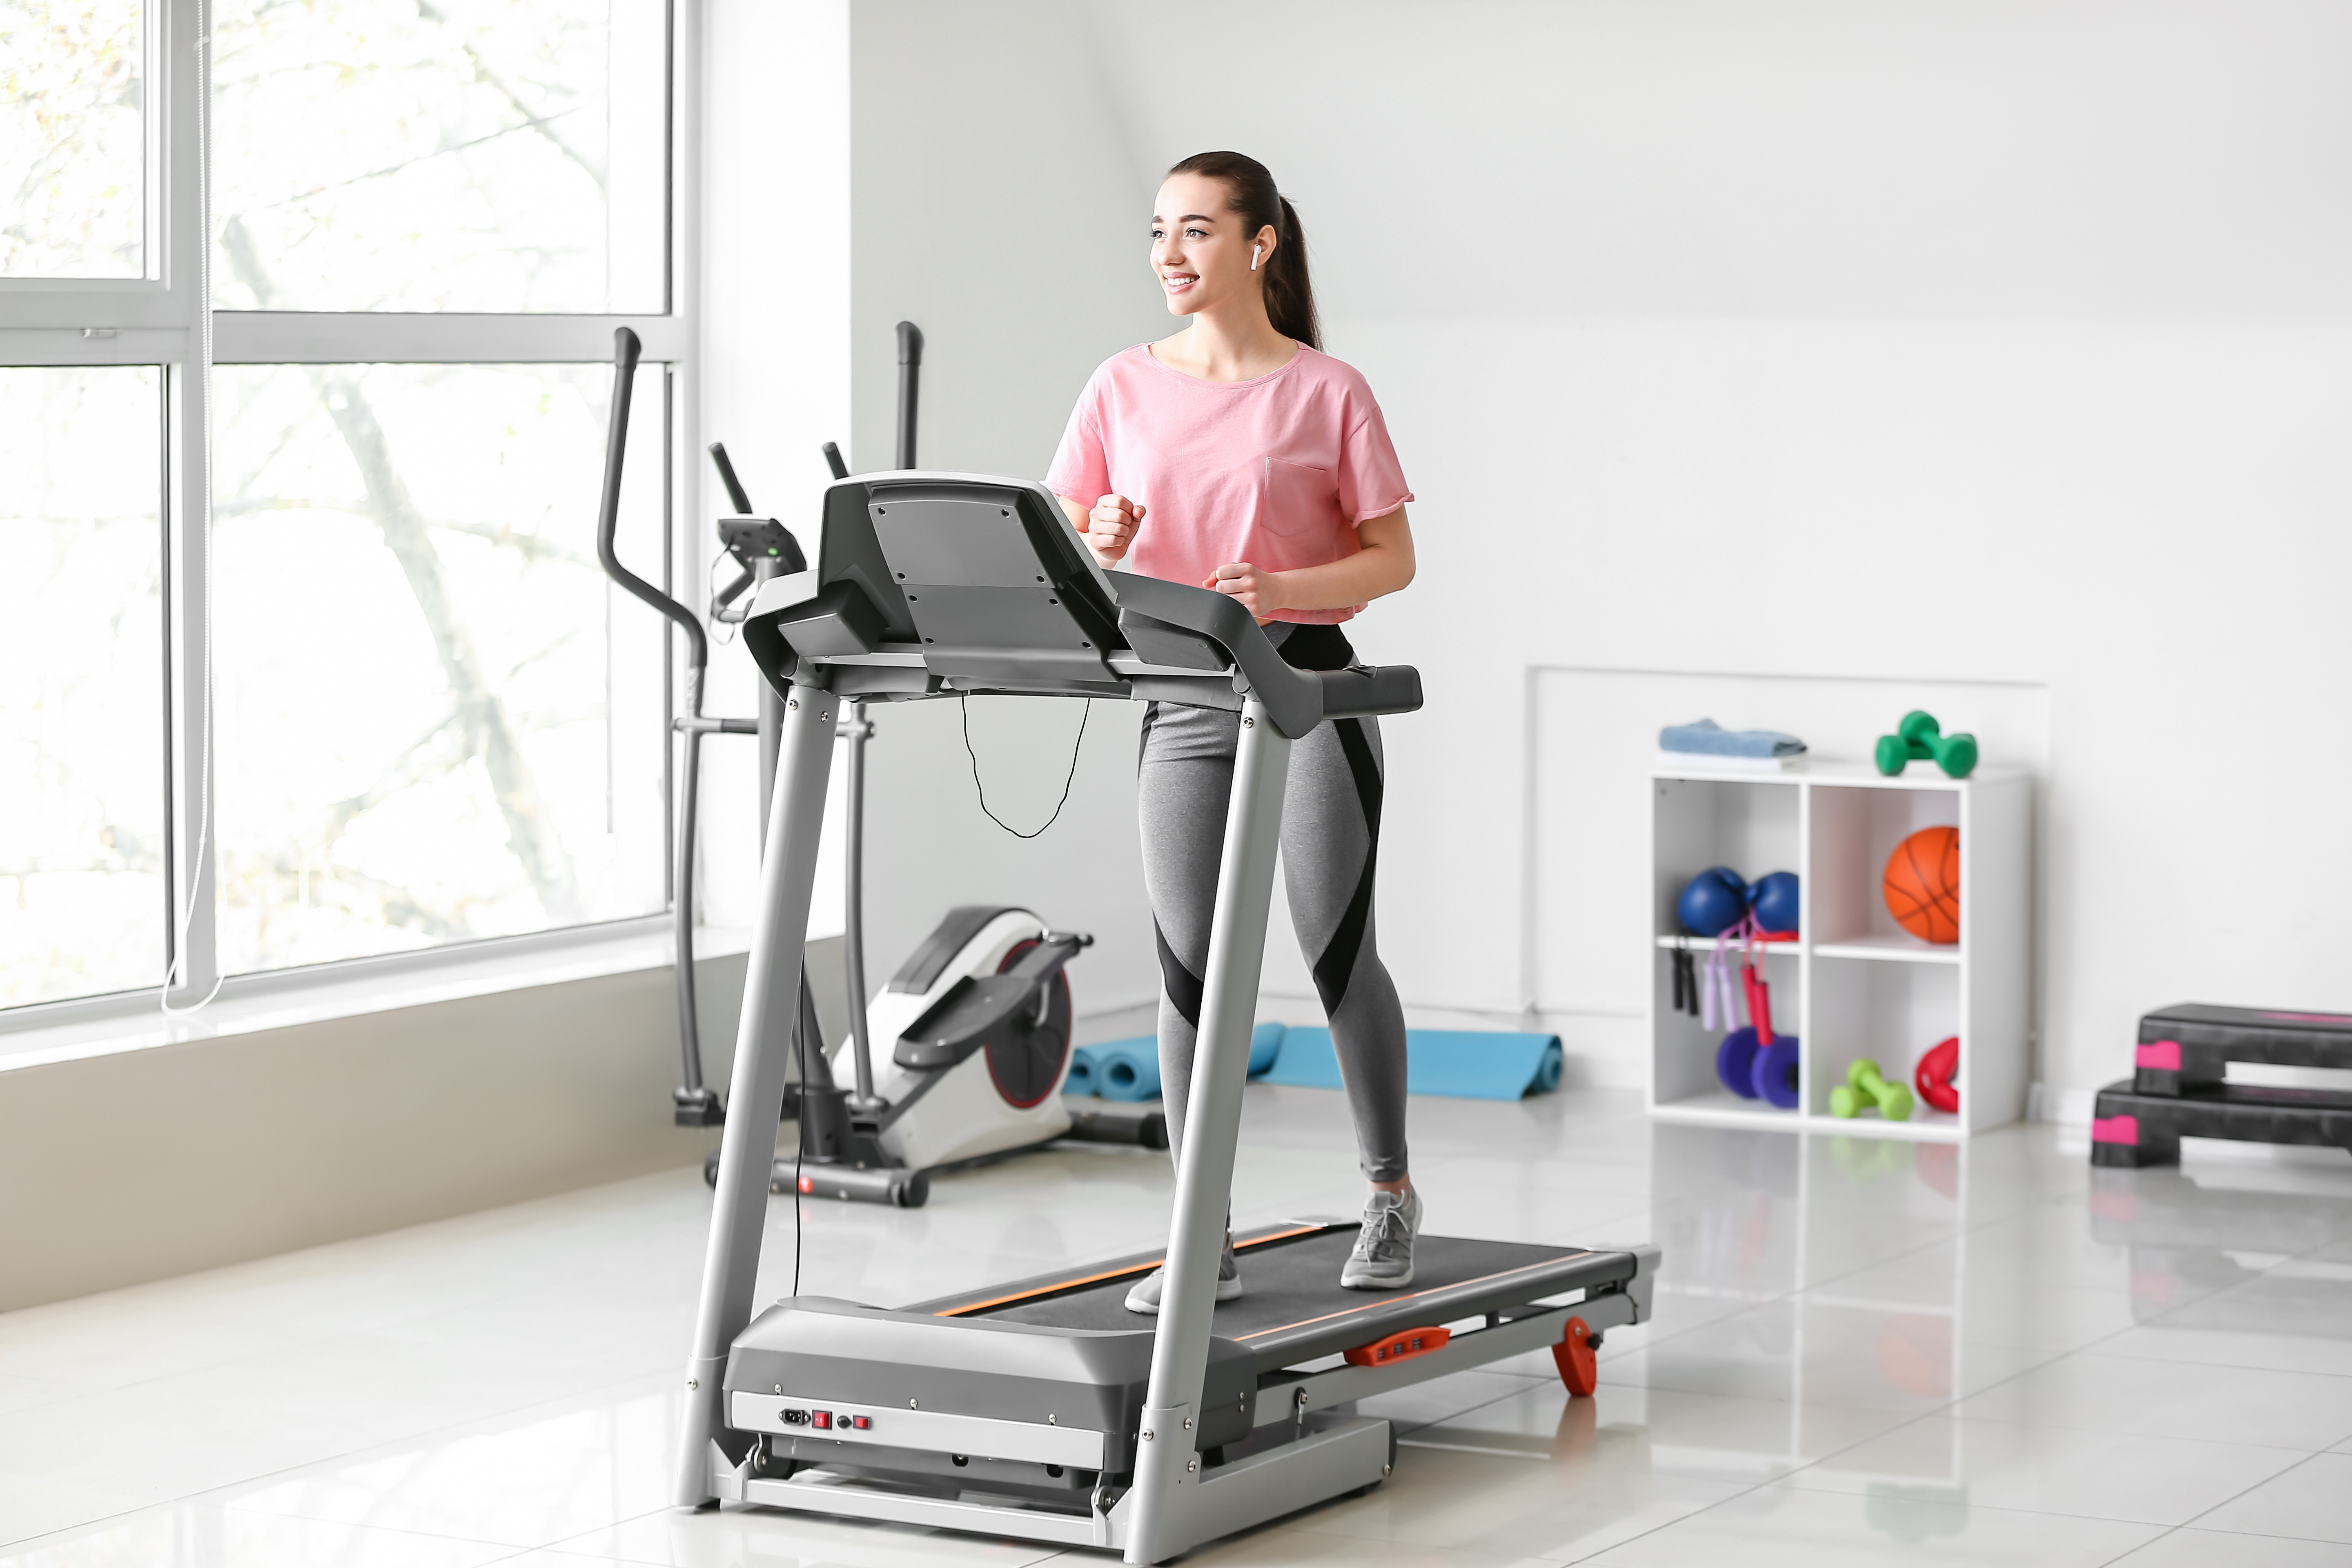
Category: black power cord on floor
<point>964,703</point>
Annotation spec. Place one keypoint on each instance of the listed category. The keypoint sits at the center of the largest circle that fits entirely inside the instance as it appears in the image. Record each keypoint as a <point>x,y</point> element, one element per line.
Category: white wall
<point>994,205</point>
<point>1924,342</point>
<point>775,278</point>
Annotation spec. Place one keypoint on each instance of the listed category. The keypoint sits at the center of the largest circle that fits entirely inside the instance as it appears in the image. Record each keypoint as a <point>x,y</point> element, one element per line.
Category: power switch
<point>861,1422</point>
<point>821,1419</point>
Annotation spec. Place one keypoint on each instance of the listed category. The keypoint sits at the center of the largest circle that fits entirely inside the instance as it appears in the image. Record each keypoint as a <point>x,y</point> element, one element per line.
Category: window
<point>480,750</point>
<point>82,903</point>
<point>73,139</point>
<point>479,156</point>
<point>358,681</point>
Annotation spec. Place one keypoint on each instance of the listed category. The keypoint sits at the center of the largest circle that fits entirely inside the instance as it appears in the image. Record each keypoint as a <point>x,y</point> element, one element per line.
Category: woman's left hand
<point>1259,593</point>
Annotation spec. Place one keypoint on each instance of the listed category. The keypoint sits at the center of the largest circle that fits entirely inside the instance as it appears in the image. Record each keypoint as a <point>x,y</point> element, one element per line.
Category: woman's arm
<point>1383,564</point>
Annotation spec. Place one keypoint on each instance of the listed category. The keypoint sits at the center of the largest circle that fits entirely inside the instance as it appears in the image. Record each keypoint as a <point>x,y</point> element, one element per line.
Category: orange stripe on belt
<point>1392,1301</point>
<point>1121,1273</point>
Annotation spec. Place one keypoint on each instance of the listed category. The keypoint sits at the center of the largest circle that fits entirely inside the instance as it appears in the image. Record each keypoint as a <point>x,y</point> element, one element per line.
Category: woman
<point>1237,455</point>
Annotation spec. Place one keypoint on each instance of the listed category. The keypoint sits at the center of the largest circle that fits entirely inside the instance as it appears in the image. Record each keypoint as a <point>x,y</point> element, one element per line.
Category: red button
<point>821,1418</point>
<point>861,1422</point>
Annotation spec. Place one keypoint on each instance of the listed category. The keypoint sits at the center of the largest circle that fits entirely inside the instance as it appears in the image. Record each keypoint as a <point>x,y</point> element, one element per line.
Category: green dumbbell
<point>1919,739</point>
<point>1863,1087</point>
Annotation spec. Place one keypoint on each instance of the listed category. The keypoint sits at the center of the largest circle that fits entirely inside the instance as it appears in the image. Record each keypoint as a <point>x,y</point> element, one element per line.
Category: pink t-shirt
<point>1277,470</point>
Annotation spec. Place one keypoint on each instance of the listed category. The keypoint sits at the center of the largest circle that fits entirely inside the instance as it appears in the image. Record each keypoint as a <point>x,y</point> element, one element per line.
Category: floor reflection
<point>1864,1349</point>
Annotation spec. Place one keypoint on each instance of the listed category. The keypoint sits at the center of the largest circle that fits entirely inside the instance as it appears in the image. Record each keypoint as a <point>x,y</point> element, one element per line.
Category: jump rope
<point>1708,995</point>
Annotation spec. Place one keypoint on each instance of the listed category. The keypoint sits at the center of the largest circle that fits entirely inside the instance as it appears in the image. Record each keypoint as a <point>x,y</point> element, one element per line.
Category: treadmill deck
<point>1292,1308</point>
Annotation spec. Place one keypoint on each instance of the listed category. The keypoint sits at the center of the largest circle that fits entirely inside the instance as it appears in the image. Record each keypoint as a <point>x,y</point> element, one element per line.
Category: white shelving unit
<point>1855,984</point>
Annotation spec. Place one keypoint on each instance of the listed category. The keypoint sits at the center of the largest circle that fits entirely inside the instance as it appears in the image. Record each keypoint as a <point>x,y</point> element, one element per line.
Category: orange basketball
<point>1923,884</point>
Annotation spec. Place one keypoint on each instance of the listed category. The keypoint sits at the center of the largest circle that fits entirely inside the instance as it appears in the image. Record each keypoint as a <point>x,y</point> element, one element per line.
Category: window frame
<point>159,320</point>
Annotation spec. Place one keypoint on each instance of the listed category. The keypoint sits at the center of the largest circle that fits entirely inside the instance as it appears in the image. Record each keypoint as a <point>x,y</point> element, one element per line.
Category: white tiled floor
<point>1864,1352</point>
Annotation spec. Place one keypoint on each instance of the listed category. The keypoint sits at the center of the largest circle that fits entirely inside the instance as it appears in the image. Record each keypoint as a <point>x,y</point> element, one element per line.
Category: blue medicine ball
<point>1714,902</point>
<point>1774,899</point>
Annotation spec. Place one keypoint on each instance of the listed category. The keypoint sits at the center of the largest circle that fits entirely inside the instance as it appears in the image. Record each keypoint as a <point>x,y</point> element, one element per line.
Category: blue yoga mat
<point>1466,1063</point>
<point>1129,1069</point>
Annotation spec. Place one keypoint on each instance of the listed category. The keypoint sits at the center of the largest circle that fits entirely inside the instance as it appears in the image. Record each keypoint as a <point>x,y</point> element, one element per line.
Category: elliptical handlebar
<point>910,378</point>
<point>626,350</point>
<point>736,495</point>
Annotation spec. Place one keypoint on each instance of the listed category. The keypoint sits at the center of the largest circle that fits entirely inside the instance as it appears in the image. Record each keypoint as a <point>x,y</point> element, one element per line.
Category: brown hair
<point>1289,298</point>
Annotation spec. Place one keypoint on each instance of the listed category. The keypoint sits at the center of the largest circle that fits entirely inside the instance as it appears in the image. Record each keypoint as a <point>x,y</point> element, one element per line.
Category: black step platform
<point>2131,1129</point>
<point>2186,1049</point>
<point>1292,1308</point>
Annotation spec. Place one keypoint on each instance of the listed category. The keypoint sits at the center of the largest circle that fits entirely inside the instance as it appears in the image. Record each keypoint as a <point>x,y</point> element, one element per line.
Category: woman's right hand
<point>1110,527</point>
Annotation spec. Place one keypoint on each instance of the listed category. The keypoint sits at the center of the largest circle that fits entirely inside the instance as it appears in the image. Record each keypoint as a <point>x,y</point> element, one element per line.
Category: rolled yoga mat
<point>1465,1064</point>
<point>1129,1069</point>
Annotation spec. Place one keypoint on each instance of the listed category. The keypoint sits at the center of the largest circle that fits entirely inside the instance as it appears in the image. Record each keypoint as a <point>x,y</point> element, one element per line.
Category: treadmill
<point>1042,1409</point>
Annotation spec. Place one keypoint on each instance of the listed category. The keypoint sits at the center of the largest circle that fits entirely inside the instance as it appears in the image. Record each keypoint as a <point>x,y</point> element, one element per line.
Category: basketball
<point>1923,884</point>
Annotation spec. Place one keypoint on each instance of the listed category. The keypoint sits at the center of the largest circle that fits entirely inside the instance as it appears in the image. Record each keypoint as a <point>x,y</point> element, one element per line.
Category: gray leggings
<point>1330,830</point>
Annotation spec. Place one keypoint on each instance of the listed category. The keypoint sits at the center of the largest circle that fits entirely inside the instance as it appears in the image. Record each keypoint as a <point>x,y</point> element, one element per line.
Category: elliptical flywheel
<point>1026,1065</point>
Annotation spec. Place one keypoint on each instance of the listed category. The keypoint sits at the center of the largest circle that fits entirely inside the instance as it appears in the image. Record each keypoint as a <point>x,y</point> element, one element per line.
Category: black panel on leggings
<point>1337,965</point>
<point>1316,647</point>
<point>1183,985</point>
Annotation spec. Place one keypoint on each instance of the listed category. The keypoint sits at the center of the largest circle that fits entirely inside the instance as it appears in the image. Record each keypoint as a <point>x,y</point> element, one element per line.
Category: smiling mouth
<point>1177,282</point>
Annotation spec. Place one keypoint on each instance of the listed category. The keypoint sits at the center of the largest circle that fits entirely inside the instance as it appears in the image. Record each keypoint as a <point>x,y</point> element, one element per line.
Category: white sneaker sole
<point>1363,1282</point>
<point>1227,1290</point>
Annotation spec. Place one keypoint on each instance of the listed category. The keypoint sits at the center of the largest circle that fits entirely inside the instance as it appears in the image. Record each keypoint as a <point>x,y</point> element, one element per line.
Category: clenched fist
<point>1256,590</point>
<point>1110,527</point>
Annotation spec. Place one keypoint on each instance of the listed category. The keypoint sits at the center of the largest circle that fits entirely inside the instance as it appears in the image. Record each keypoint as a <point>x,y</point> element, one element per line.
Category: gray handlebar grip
<point>1368,689</point>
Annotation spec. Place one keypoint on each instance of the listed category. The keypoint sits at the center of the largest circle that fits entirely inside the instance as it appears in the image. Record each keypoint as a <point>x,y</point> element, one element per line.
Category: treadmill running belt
<point>1292,1308</point>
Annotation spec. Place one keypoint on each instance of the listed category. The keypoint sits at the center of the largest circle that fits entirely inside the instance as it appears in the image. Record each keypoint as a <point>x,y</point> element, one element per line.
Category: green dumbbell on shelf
<point>1863,1087</point>
<point>1919,739</point>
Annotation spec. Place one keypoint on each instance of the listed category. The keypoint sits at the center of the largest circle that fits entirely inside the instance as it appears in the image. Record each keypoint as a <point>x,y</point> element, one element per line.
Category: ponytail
<point>1289,296</point>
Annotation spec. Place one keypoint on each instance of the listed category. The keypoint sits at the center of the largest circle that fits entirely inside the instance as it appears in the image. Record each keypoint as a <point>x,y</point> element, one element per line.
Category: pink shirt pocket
<point>1297,522</point>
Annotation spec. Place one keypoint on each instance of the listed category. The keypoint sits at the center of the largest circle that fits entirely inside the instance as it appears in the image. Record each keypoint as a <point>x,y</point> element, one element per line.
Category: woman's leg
<point>1184,778</point>
<point>1330,841</point>
<point>1183,781</point>
<point>1330,848</point>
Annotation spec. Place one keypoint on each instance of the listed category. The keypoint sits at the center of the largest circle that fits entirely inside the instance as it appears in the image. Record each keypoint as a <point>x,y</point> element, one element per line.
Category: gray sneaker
<point>1145,1297</point>
<point>1383,1257</point>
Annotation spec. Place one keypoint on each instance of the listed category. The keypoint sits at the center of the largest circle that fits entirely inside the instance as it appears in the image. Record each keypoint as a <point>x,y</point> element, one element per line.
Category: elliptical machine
<point>978,1021</point>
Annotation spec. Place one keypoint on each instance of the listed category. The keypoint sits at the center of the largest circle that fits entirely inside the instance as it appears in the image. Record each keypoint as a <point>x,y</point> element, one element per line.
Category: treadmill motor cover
<point>815,1348</point>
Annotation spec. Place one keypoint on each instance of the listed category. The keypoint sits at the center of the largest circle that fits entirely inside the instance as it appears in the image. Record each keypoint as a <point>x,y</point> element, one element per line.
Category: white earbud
<point>1256,251</point>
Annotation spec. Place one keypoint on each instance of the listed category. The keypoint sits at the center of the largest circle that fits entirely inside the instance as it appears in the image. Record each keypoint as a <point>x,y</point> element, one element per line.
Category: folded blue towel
<point>1707,738</point>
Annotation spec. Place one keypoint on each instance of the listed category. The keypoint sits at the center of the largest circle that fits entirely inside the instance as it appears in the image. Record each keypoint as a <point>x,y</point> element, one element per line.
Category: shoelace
<point>1384,1228</point>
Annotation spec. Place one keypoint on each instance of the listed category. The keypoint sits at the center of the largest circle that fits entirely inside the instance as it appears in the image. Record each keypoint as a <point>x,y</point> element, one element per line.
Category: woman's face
<point>1199,252</point>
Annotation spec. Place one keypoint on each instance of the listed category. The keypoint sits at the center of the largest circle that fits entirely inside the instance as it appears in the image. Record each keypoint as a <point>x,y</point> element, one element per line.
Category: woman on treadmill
<point>1236,455</point>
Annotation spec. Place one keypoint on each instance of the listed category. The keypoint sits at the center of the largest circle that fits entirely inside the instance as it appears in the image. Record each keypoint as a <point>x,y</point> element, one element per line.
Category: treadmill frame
<point>1172,1504</point>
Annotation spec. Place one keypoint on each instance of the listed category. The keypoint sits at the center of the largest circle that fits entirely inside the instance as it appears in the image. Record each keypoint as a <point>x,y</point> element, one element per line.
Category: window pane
<point>437,719</point>
<point>82,903</point>
<point>483,155</point>
<point>73,149</point>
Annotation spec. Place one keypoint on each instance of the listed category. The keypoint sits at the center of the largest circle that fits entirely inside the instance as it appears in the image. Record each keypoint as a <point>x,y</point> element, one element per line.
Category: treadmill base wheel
<point>1580,1372</point>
